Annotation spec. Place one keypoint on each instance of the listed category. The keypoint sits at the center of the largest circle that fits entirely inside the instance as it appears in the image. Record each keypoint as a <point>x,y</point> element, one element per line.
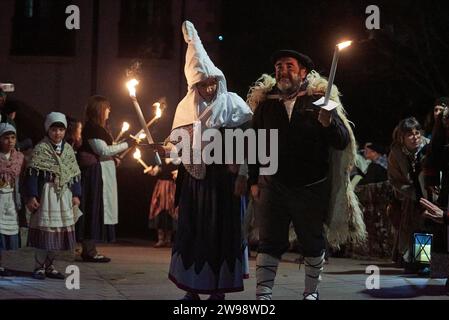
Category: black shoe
<point>5,273</point>
<point>39,274</point>
<point>52,273</point>
<point>311,296</point>
<point>97,259</point>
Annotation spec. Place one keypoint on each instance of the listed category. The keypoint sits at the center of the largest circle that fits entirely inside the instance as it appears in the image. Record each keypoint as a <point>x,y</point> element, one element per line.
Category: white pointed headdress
<point>228,109</point>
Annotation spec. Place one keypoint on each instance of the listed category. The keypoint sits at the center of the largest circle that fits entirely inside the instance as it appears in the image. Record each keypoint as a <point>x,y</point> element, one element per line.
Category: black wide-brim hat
<point>302,59</point>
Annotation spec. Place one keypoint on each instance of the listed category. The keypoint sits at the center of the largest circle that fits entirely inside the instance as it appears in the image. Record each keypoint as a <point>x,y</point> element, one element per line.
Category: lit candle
<point>156,117</point>
<point>125,127</point>
<point>137,155</point>
<point>132,93</point>
<point>330,83</point>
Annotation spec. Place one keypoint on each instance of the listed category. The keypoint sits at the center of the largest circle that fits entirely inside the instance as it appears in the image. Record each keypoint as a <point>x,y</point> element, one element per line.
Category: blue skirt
<point>207,254</point>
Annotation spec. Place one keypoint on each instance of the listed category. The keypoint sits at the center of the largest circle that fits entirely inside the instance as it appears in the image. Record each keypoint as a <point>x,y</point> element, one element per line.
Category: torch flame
<point>125,126</point>
<point>137,154</point>
<point>344,44</point>
<point>158,111</point>
<point>131,85</point>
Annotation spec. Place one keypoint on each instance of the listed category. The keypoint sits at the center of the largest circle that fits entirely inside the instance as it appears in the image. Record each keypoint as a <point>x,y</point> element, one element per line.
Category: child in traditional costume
<point>53,191</point>
<point>163,213</point>
<point>11,165</point>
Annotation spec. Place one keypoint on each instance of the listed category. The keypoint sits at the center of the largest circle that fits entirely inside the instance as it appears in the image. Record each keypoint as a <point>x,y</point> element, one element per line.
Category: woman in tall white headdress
<point>207,257</point>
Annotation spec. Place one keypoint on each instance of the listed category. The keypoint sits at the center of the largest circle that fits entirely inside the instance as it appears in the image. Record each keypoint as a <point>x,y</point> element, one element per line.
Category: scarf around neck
<point>10,168</point>
<point>63,167</point>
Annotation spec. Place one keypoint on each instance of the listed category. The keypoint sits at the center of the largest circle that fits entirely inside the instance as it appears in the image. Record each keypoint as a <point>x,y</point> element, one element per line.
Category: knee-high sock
<point>266,268</point>
<point>313,269</point>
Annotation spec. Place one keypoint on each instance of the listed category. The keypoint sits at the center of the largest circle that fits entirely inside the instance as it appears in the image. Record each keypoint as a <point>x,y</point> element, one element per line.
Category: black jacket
<point>303,143</point>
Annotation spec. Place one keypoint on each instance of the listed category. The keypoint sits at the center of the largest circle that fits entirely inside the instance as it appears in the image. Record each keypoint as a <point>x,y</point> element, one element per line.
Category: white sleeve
<point>103,150</point>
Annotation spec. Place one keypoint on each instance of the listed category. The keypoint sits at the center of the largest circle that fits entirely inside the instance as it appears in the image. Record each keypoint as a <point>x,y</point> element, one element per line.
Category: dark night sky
<point>391,73</point>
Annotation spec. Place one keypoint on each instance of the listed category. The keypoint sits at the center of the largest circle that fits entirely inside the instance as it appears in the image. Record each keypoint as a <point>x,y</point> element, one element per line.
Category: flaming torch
<point>325,102</point>
<point>137,155</point>
<point>132,93</point>
<point>125,127</point>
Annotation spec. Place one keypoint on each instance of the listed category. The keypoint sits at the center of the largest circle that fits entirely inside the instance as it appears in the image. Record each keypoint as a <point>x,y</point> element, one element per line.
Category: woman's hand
<point>33,204</point>
<point>76,201</point>
<point>432,211</point>
<point>117,161</point>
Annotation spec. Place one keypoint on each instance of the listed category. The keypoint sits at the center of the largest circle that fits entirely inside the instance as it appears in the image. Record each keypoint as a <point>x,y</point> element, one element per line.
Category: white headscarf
<point>54,117</point>
<point>228,109</point>
<point>6,127</point>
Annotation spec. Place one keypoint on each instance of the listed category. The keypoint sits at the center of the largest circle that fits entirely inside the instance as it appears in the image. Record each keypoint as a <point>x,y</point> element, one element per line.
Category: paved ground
<point>139,272</point>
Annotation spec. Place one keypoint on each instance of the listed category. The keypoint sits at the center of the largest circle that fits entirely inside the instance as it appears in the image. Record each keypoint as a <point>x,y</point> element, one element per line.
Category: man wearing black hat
<point>299,191</point>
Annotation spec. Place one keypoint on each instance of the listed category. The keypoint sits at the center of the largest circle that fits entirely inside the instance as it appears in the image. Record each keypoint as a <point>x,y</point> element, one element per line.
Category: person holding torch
<point>311,186</point>
<point>207,256</point>
<point>97,159</point>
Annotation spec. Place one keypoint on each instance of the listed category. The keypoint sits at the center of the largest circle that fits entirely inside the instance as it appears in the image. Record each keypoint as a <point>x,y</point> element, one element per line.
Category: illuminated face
<point>78,131</point>
<point>7,142</point>
<point>56,134</point>
<point>437,110</point>
<point>107,113</point>
<point>412,140</point>
<point>289,74</point>
<point>370,154</point>
<point>208,89</point>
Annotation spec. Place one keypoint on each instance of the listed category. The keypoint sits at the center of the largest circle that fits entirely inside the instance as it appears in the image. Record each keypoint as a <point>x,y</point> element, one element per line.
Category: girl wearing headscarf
<point>53,193</point>
<point>11,167</point>
<point>207,256</point>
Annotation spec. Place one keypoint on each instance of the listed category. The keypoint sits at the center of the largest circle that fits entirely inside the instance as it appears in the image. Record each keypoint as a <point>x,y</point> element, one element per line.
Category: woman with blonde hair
<point>97,159</point>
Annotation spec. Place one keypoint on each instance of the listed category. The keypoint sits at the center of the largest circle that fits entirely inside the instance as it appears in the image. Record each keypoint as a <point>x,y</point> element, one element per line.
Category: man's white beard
<point>288,87</point>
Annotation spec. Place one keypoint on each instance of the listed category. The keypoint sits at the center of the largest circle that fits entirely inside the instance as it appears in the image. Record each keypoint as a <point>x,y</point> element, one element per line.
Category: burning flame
<point>125,126</point>
<point>137,154</point>
<point>131,85</point>
<point>344,44</point>
<point>158,110</point>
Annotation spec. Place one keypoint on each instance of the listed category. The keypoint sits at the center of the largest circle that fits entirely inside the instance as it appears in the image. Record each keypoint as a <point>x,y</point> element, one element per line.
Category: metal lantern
<point>422,244</point>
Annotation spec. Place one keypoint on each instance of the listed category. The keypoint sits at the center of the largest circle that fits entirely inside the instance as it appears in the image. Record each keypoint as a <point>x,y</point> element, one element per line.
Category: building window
<point>39,29</point>
<point>145,29</point>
